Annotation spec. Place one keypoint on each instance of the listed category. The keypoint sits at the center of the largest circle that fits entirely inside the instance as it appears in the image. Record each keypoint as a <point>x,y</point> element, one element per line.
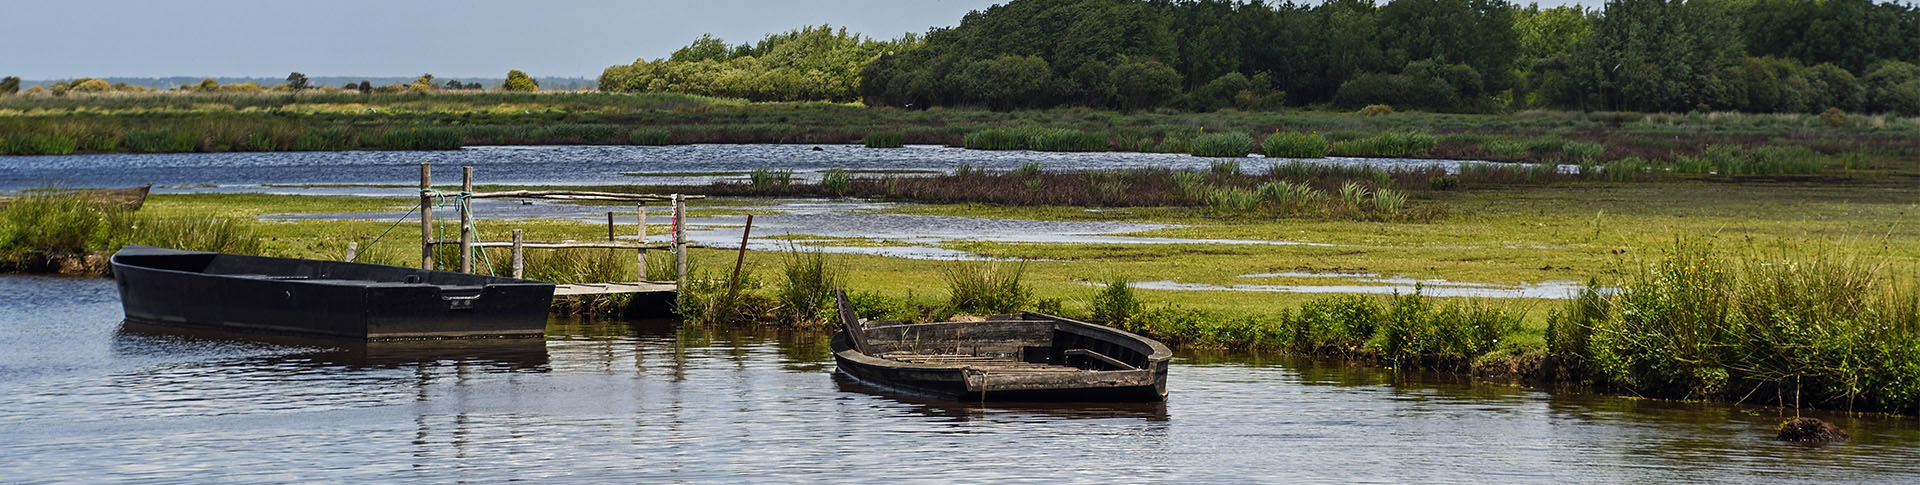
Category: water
<point>557,165</point>
<point>84,399</point>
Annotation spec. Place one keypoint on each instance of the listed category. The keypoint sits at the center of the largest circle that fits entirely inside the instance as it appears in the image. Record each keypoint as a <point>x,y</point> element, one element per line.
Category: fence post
<point>466,220</point>
<point>426,216</point>
<point>519,252</point>
<point>640,263</point>
<point>680,238</point>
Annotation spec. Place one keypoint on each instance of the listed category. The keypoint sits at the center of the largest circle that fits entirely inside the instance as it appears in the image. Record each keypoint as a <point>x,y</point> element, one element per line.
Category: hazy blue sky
<point>466,38</point>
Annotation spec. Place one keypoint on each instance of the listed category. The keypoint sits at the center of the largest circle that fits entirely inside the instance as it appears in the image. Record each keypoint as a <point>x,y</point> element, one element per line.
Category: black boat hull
<point>1039,338</point>
<point>286,296</point>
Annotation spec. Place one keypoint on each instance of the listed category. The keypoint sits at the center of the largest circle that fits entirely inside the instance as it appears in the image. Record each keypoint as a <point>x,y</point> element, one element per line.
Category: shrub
<point>1376,110</point>
<point>1295,145</point>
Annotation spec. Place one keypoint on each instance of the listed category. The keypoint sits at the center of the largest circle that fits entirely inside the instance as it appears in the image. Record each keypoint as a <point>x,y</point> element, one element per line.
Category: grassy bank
<point>1622,234</point>
<point>209,122</point>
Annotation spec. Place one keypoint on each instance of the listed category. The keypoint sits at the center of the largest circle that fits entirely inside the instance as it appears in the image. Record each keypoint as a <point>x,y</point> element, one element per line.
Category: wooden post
<point>426,216</point>
<point>610,252</point>
<point>353,251</point>
<point>641,262</point>
<point>466,220</point>
<point>680,238</point>
<point>741,260</point>
<point>519,252</point>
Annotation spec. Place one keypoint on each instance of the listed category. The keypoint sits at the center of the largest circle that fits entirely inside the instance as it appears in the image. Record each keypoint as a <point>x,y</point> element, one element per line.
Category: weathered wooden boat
<point>286,296</point>
<point>124,198</point>
<point>1026,357</point>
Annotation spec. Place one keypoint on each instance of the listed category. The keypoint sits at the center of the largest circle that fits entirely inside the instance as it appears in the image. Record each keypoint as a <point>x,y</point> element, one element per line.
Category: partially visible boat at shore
<point>124,198</point>
<point>317,298</point>
<point>1025,357</point>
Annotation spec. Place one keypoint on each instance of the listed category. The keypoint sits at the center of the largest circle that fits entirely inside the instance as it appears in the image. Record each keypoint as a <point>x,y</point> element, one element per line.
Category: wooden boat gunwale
<point>1139,376</point>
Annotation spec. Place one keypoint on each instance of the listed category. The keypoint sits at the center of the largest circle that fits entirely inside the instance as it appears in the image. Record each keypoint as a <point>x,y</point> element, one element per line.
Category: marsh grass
<point>1233,144</point>
<point>1791,326</point>
<point>1388,144</point>
<point>42,229</point>
<point>1295,145</point>
<point>885,139</point>
<point>806,285</point>
<point>986,287</point>
<point>1115,303</point>
<point>649,136</point>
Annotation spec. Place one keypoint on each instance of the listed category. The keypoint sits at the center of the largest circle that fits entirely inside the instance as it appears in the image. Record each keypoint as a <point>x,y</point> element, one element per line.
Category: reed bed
<point>49,231</point>
<point>1793,326</point>
<point>885,139</point>
<point>1295,145</point>
<point>1222,145</point>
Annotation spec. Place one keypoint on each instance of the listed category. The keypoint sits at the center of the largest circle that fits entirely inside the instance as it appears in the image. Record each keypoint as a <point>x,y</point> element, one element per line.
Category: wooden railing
<point>677,242</point>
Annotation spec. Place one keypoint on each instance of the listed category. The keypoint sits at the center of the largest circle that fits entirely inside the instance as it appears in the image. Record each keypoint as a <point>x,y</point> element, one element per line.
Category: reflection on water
<point>84,399</point>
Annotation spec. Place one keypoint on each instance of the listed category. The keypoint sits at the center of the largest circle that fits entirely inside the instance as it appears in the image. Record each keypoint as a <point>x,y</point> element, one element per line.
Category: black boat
<point>286,296</point>
<point>1026,357</point>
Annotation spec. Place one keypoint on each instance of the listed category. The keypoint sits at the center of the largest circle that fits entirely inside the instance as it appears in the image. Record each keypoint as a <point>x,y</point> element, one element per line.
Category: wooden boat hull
<point>1032,358</point>
<point>285,296</point>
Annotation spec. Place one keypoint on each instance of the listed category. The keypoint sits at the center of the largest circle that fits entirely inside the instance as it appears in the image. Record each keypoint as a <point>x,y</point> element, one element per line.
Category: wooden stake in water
<point>734,284</point>
<point>426,216</point>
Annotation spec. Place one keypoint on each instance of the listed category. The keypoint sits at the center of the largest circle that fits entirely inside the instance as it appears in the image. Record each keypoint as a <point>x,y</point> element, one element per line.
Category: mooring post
<point>640,264</point>
<point>353,251</point>
<point>426,216</point>
<point>741,260</point>
<point>519,252</point>
<point>466,220</point>
<point>680,238</point>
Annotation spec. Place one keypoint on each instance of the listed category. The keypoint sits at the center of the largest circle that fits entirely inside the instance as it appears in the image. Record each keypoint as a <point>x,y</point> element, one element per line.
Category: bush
<point>1376,110</point>
<point>1295,145</point>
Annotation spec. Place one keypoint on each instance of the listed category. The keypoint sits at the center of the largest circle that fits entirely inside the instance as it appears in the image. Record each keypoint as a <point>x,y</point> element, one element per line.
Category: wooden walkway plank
<point>612,288</point>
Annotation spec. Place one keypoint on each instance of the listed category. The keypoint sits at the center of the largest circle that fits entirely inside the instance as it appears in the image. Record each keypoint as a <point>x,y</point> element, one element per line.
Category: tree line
<point>516,80</point>
<point>1437,55</point>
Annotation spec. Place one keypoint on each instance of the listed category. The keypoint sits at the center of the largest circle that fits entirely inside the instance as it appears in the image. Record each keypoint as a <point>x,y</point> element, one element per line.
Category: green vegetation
<point>1295,145</point>
<point>1645,55</point>
<point>519,81</point>
<point>1806,326</point>
<point>885,139</point>
<point>812,63</point>
<point>986,287</point>
<point>69,233</point>
<point>1041,139</point>
<point>1222,145</point>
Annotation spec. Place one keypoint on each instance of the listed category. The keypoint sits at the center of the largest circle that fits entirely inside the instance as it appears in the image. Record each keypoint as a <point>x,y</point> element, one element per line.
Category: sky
<point>465,38</point>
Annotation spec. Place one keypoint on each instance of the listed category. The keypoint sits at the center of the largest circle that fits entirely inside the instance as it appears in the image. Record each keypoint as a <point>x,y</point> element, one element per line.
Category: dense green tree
<point>1656,55</point>
<point>1833,87</point>
<point>365,87</point>
<point>9,85</point>
<point>1477,33</point>
<point>1007,82</point>
<point>1543,34</point>
<point>1144,84</point>
<point>519,81</point>
<point>1893,86</point>
<point>297,81</point>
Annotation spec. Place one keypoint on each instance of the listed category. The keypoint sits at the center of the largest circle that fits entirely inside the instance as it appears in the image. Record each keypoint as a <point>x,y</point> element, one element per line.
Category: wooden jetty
<point>677,242</point>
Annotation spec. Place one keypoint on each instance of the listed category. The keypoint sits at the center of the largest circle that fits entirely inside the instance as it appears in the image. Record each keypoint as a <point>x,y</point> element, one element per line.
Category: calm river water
<point>560,165</point>
<point>84,399</point>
